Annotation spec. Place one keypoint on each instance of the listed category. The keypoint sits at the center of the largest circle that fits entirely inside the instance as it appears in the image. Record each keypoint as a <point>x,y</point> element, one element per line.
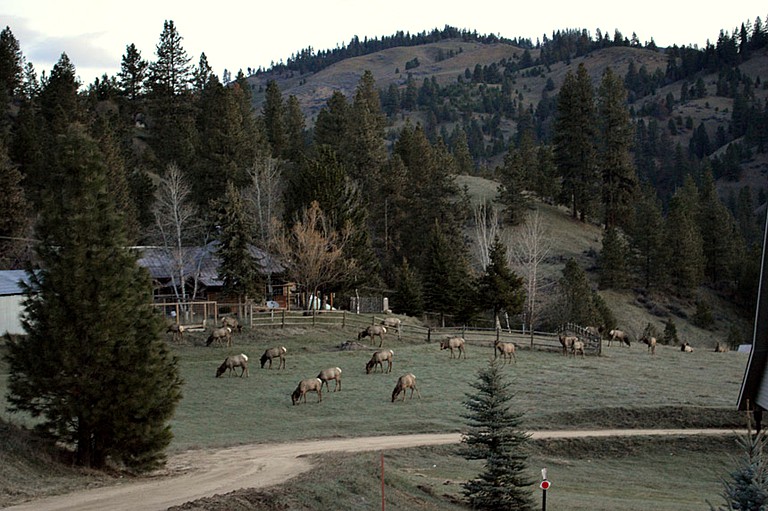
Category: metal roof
<point>10,282</point>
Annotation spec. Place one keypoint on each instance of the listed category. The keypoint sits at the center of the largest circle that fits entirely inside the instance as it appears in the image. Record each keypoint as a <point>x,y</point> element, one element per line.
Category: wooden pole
<point>383,502</point>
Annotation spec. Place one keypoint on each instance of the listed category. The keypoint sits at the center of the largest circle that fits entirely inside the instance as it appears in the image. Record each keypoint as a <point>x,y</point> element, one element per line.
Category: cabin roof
<point>10,282</point>
<point>202,261</point>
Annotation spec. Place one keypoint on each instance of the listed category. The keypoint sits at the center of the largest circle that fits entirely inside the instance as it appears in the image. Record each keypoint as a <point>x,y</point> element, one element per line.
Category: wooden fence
<point>200,314</point>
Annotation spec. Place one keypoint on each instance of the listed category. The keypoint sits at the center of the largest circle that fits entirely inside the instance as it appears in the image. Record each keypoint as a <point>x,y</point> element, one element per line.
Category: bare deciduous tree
<point>312,251</point>
<point>487,227</point>
<point>176,224</point>
<point>263,196</point>
<point>531,247</point>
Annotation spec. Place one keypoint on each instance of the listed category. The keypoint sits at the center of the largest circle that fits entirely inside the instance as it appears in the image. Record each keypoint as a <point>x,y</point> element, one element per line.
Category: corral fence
<point>201,314</point>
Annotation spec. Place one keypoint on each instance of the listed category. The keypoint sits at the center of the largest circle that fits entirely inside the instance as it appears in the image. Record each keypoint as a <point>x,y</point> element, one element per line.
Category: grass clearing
<point>626,387</point>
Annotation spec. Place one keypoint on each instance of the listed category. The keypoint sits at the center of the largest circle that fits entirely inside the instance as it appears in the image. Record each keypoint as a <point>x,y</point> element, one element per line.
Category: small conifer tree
<point>494,435</point>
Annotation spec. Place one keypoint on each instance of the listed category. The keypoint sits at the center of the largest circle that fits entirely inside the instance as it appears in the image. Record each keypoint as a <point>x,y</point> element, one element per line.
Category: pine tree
<point>747,488</point>
<point>498,287</point>
<point>619,181</point>
<point>494,435</point>
<point>93,366</point>
<point>445,274</point>
<point>11,76</point>
<point>172,116</point>
<point>133,73</point>
<point>13,213</point>
<point>647,241</point>
<point>577,299</point>
<point>332,123</point>
<point>574,141</point>
<point>273,113</point>
<point>683,237</point>
<point>295,129</point>
<point>514,179</point>
<point>238,268</point>
<point>408,298</point>
<point>614,260</point>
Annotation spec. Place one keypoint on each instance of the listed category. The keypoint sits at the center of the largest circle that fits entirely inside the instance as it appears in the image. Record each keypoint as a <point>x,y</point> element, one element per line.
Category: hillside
<point>531,86</point>
<point>633,309</point>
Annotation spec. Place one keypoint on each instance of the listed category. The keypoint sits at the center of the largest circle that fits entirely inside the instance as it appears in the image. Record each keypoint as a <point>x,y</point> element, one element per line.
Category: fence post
<point>282,325</point>
<point>314,315</point>
<point>429,334</point>
<point>343,319</point>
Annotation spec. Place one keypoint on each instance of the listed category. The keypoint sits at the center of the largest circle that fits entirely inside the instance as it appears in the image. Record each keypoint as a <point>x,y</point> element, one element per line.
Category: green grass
<point>553,391</point>
<point>625,387</point>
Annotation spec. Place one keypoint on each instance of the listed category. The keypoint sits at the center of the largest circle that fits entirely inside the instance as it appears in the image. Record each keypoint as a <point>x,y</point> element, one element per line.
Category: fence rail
<point>202,313</point>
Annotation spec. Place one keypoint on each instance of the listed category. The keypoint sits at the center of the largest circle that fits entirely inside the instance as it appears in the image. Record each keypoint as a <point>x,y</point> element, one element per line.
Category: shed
<point>754,387</point>
<point>11,300</point>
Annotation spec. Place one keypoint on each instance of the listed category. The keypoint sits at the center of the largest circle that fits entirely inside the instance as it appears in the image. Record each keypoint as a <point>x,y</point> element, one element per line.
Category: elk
<point>374,331</point>
<point>378,359</point>
<point>270,353</point>
<point>454,343</point>
<point>232,362</point>
<point>308,385</point>
<point>405,382</point>
<point>505,349</point>
<point>332,373</point>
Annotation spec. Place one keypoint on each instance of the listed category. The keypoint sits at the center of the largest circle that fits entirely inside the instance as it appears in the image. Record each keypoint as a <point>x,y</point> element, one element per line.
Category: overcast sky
<point>237,35</point>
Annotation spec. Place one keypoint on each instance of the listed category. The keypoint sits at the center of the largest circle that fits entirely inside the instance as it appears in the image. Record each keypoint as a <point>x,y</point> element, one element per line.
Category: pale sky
<point>236,34</point>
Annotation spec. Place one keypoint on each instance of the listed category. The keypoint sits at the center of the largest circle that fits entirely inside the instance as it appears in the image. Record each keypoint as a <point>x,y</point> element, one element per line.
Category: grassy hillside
<point>633,309</point>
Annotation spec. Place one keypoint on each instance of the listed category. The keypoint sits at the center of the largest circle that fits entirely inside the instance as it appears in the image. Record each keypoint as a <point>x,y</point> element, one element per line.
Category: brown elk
<point>332,373</point>
<point>232,362</point>
<point>405,382</point>
<point>270,353</point>
<point>505,349</point>
<point>374,331</point>
<point>378,359</point>
<point>454,343</point>
<point>308,385</point>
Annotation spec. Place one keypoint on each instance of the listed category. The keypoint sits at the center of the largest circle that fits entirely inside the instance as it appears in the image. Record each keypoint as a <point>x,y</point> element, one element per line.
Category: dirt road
<point>202,473</point>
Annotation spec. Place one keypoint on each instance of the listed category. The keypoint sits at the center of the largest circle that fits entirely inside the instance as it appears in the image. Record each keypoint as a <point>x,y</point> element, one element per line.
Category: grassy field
<point>625,387</point>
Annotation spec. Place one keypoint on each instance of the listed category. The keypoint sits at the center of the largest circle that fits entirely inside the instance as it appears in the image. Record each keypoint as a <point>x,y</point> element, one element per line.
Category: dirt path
<point>202,473</point>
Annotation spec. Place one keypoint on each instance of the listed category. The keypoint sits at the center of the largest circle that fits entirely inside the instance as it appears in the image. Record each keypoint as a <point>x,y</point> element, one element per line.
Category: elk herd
<point>382,358</point>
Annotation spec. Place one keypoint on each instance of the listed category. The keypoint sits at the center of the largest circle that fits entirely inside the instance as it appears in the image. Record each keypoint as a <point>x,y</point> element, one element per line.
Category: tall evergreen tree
<point>498,288</point>
<point>494,435</point>
<point>577,299</point>
<point>273,113</point>
<point>614,160</point>
<point>238,267</point>
<point>295,130</point>
<point>13,213</point>
<point>224,150</point>
<point>332,123</point>
<point>93,366</point>
<point>172,116</point>
<point>11,77</point>
<point>574,142</point>
<point>408,297</point>
<point>682,236</point>
<point>132,74</point>
<point>614,259</point>
<point>718,233</point>
<point>364,149</point>
<point>514,175</point>
<point>445,274</point>
<point>647,241</point>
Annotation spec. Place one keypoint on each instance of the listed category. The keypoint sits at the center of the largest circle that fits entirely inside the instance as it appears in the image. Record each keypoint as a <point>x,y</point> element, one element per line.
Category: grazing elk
<point>390,323</point>
<point>505,349</point>
<point>232,362</point>
<point>270,353</point>
<point>220,335</point>
<point>651,342</point>
<point>577,348</point>
<point>232,323</point>
<point>332,373</point>
<point>177,331</point>
<point>454,343</point>
<point>618,335</point>
<point>308,385</point>
<point>405,382</point>
<point>686,348</point>
<point>566,341</point>
<point>374,331</point>
<point>378,359</point>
